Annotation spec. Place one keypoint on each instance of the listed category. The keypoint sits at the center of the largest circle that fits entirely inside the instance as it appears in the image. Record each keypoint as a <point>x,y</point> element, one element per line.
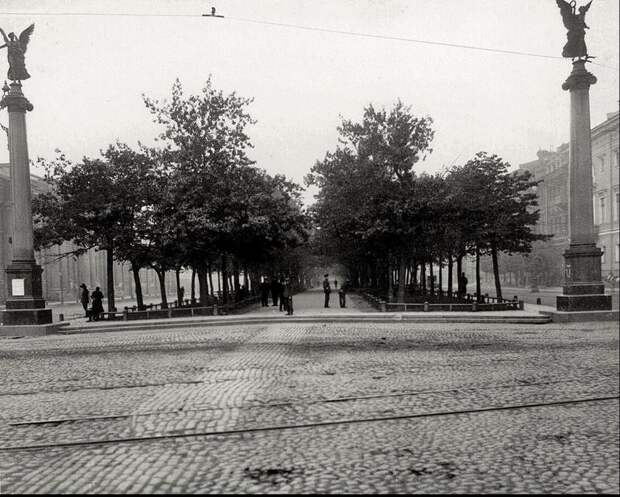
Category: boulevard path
<point>311,302</point>
<point>313,407</point>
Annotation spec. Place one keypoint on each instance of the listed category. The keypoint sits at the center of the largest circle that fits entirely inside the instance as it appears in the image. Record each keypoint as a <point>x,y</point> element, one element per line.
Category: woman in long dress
<point>97,298</point>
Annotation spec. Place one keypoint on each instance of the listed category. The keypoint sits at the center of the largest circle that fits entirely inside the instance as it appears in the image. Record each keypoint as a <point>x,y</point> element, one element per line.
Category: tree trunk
<point>177,276</point>
<point>414,279</point>
<point>450,265</point>
<point>498,286</point>
<point>204,288</point>
<point>193,288</point>
<point>110,271</point>
<point>161,276</point>
<point>402,270</point>
<point>423,277</point>
<point>224,280</point>
<point>478,289</point>
<point>432,277</point>
<point>440,276</point>
<point>235,278</point>
<point>459,271</point>
<point>136,278</point>
<point>389,282</point>
<point>211,280</point>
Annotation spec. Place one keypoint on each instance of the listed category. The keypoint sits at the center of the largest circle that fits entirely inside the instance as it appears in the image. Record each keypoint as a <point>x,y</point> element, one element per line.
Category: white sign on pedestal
<point>17,287</point>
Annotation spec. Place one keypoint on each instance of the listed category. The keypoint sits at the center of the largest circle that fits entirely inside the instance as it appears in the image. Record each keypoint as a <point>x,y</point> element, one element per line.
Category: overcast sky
<point>88,72</point>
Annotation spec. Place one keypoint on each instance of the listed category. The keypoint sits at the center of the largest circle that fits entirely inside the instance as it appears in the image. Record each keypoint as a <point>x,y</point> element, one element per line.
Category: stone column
<point>25,304</point>
<point>583,288</point>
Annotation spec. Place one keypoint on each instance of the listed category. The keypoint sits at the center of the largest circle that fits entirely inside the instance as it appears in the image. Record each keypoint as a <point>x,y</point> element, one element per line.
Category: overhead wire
<point>317,29</point>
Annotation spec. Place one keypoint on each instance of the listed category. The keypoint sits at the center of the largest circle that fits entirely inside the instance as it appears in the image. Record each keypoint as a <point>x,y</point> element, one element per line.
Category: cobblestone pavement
<point>338,408</point>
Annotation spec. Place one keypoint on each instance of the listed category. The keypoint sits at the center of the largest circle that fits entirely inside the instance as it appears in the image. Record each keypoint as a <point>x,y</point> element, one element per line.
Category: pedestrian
<point>181,295</point>
<point>288,294</point>
<point>84,298</point>
<point>336,284</point>
<point>326,290</point>
<point>97,308</point>
<point>264,292</point>
<point>284,293</point>
<point>342,294</point>
<point>463,285</point>
<point>275,291</point>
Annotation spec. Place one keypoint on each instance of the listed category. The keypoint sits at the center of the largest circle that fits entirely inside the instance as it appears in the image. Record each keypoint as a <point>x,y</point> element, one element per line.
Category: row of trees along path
<point>196,201</point>
<point>385,223</point>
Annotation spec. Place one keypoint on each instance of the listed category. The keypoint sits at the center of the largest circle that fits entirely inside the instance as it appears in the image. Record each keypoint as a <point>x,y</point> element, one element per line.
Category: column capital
<point>580,78</point>
<point>14,99</point>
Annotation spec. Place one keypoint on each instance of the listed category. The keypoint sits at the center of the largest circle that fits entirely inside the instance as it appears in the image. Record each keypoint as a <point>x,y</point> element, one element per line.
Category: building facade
<point>606,193</point>
<point>551,169</point>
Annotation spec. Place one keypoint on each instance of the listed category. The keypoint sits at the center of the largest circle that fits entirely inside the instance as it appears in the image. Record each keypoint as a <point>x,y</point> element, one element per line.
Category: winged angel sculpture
<point>576,24</point>
<point>16,50</point>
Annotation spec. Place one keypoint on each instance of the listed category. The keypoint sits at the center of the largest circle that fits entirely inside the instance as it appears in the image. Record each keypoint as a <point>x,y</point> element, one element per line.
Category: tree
<point>365,186</point>
<point>223,210</point>
<point>498,210</point>
<point>139,190</point>
<point>87,205</point>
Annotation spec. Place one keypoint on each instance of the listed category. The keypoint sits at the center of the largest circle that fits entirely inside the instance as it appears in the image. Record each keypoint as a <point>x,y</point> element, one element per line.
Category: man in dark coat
<point>264,293</point>
<point>84,298</point>
<point>283,295</point>
<point>326,290</point>
<point>342,294</point>
<point>463,285</point>
<point>275,291</point>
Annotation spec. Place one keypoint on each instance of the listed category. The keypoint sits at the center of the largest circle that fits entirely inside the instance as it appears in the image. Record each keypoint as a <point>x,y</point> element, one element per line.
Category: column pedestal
<point>25,305</point>
<point>583,289</point>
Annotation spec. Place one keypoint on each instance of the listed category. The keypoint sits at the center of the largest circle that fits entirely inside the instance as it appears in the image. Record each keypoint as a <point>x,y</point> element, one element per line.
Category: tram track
<point>517,384</point>
<point>344,421</point>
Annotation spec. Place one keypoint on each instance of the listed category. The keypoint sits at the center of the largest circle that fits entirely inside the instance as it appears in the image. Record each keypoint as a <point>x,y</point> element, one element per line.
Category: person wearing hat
<point>326,290</point>
<point>84,297</point>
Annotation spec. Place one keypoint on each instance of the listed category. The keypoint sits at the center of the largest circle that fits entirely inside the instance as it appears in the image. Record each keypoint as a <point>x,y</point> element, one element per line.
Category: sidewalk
<point>308,308</point>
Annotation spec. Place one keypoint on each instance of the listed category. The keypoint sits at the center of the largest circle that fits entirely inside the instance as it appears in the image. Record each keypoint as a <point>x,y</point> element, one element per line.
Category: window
<point>601,161</point>
<point>602,217</point>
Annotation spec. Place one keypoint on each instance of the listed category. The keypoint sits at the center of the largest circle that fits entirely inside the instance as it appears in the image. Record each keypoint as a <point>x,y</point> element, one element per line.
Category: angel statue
<point>16,48</point>
<point>576,24</point>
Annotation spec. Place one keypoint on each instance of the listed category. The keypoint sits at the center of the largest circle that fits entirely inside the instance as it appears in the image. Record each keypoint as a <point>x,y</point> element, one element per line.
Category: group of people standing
<point>327,290</point>
<point>96,300</point>
<point>280,291</point>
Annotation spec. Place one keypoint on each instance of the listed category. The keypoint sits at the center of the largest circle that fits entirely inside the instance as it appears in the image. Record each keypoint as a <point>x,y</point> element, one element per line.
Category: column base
<point>19,317</point>
<point>572,303</point>
<point>582,316</point>
<point>32,330</point>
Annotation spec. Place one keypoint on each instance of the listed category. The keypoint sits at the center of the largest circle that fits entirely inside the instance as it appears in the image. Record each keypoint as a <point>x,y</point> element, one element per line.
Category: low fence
<point>155,311</point>
<point>471,304</point>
